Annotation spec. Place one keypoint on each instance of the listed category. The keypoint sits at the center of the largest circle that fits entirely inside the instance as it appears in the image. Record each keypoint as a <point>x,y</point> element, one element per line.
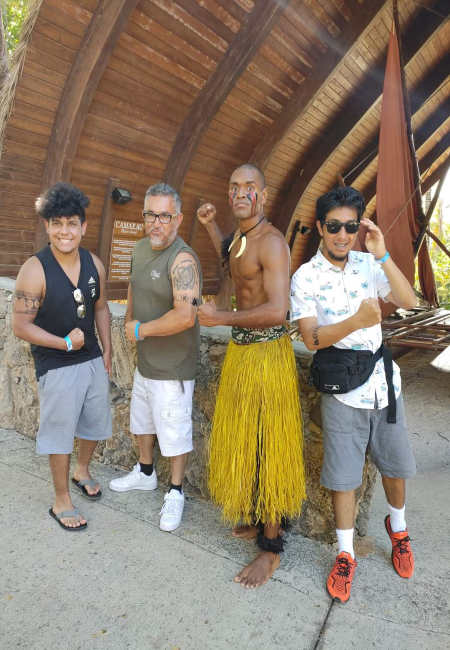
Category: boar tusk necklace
<point>243,238</point>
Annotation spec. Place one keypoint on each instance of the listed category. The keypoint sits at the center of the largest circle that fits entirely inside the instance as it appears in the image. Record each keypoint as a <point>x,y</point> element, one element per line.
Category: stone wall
<point>19,410</point>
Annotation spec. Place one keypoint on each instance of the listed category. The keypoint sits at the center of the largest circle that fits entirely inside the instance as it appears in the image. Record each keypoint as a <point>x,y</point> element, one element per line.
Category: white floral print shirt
<point>331,294</point>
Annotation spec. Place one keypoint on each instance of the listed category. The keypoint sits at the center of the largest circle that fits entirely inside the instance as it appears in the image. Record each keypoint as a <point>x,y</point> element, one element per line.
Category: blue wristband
<point>136,331</point>
<point>383,259</point>
<point>68,343</point>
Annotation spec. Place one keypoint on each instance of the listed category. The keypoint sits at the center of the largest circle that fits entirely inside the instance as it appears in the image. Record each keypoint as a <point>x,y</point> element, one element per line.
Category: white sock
<point>345,541</point>
<point>397,517</point>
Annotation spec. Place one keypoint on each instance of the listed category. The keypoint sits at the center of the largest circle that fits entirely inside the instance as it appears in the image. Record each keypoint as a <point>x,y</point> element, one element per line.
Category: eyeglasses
<point>335,226</point>
<point>164,217</point>
<point>79,299</point>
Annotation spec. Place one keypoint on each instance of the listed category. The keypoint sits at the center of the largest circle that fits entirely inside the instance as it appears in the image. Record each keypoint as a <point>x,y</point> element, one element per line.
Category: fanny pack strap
<point>386,353</point>
<point>389,372</point>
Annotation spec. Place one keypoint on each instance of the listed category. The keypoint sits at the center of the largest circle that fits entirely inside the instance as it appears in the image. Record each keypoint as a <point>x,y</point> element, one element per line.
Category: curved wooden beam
<point>362,15</point>
<point>102,33</point>
<point>420,29</point>
<point>242,49</point>
<point>418,96</point>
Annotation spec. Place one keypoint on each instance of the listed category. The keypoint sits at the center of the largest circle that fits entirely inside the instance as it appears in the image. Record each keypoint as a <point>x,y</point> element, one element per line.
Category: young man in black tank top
<point>59,298</point>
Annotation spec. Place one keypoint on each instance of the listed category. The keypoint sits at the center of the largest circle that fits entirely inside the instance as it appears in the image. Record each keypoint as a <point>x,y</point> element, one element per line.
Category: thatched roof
<point>139,90</point>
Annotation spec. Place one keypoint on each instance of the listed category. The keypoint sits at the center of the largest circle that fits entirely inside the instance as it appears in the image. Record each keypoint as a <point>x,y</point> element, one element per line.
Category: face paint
<point>232,195</point>
<point>252,196</point>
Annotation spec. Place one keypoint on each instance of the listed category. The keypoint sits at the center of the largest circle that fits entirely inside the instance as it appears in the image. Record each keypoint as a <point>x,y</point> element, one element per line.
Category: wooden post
<point>106,227</point>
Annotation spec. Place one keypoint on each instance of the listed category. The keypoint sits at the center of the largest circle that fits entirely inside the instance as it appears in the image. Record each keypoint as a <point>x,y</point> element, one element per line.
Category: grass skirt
<point>255,450</point>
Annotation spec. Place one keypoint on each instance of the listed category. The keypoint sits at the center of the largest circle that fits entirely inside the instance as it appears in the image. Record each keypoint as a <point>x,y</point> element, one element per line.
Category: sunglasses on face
<point>334,226</point>
<point>164,217</point>
<point>79,299</point>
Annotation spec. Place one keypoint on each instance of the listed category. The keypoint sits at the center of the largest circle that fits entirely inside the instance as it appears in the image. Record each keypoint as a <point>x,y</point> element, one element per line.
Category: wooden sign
<point>124,237</point>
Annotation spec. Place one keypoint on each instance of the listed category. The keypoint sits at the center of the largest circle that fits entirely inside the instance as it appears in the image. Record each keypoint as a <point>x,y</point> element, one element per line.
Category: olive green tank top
<point>161,357</point>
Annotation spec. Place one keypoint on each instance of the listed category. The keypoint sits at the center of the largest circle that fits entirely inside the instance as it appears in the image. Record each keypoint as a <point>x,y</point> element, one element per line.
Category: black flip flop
<point>81,485</point>
<point>63,515</point>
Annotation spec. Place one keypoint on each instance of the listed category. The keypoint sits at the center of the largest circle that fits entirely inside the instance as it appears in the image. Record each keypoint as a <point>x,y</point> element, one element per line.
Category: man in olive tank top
<point>163,294</point>
<point>58,301</point>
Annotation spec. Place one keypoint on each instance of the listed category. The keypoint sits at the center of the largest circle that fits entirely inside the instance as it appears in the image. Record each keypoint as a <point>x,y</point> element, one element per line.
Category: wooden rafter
<point>418,97</point>
<point>304,96</point>
<point>242,49</point>
<point>418,32</point>
<point>105,27</point>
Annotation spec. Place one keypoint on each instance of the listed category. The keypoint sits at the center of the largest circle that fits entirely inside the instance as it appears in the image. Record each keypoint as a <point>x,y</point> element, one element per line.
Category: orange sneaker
<point>339,581</point>
<point>402,555</point>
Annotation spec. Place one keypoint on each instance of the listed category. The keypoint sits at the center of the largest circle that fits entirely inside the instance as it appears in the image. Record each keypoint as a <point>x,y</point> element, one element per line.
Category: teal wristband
<point>383,259</point>
<point>68,343</point>
<point>136,331</point>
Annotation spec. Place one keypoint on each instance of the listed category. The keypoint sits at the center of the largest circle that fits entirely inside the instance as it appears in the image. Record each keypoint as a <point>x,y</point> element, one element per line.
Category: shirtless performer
<point>256,463</point>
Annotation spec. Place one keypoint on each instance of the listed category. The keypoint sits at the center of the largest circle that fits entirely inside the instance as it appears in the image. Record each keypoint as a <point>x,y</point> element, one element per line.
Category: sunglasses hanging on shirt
<point>79,299</point>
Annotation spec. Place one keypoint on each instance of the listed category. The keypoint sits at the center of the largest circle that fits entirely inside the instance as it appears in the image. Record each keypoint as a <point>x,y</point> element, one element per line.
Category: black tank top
<point>58,312</point>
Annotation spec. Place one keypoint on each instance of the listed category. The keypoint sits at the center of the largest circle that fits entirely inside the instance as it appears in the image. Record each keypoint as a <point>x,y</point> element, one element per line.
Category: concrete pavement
<point>123,583</point>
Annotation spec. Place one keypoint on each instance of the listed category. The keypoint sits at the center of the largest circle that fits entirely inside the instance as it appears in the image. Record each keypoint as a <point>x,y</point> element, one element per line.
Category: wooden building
<point>124,93</point>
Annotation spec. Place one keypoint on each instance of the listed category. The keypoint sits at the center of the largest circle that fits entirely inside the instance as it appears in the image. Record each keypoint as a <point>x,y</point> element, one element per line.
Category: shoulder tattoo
<point>185,276</point>
<point>26,303</point>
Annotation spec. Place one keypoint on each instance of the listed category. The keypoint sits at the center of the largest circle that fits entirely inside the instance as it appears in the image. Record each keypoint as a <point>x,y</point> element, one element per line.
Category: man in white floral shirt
<point>335,299</point>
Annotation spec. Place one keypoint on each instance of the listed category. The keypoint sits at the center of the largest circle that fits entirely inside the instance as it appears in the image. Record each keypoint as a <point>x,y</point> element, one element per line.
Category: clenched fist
<point>369,313</point>
<point>206,213</point>
<point>77,338</point>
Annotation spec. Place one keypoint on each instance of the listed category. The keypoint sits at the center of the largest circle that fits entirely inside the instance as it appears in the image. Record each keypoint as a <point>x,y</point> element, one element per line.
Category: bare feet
<point>259,571</point>
<point>245,532</point>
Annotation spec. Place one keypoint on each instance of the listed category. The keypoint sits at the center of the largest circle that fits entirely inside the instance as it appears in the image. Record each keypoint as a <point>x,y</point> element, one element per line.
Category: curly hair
<point>340,197</point>
<point>62,200</point>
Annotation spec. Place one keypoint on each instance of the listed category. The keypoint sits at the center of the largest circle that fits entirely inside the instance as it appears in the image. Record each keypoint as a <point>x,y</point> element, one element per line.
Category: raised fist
<point>206,213</point>
<point>369,313</point>
<point>77,338</point>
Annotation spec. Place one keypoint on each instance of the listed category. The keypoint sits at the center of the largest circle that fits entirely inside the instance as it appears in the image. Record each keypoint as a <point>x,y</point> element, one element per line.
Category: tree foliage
<point>13,14</point>
<point>439,260</point>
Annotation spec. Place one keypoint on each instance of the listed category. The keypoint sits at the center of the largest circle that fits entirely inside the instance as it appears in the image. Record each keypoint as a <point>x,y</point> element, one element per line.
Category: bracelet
<point>136,332</point>
<point>68,343</point>
<point>383,259</point>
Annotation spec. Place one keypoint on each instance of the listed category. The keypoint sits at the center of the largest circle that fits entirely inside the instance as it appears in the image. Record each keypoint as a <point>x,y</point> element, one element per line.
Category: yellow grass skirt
<point>255,450</point>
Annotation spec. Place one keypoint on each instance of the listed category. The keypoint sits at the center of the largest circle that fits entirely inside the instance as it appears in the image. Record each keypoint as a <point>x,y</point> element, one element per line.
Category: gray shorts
<point>349,432</point>
<point>74,401</point>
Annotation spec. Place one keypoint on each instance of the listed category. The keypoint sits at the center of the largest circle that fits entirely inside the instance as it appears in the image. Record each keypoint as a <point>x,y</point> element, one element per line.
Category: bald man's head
<point>260,176</point>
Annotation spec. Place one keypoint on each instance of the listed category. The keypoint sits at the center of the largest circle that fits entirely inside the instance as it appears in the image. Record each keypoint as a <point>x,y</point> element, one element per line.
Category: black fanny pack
<point>337,371</point>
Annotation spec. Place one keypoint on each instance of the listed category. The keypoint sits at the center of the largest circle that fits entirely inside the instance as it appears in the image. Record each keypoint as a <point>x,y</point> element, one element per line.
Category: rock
<point>19,410</point>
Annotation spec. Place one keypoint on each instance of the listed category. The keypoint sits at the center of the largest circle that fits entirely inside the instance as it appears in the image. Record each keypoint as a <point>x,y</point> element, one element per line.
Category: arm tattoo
<point>26,303</point>
<point>315,335</point>
<point>183,298</point>
<point>185,276</point>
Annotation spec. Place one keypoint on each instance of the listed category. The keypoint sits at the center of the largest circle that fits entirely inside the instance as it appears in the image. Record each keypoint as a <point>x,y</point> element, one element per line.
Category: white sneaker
<point>134,480</point>
<point>172,510</point>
